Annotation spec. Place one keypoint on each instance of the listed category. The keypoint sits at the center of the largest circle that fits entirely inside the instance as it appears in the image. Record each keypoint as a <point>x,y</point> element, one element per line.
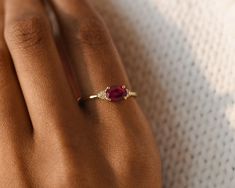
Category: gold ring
<point>111,93</point>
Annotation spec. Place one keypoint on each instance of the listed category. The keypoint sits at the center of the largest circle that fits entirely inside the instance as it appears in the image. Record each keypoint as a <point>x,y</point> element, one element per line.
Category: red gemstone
<point>116,93</point>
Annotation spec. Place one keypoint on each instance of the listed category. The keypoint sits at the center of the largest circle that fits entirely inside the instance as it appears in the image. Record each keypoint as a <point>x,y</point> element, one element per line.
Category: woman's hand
<point>46,138</point>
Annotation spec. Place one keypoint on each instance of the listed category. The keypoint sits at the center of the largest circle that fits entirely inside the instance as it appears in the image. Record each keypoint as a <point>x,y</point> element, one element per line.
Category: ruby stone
<point>116,93</point>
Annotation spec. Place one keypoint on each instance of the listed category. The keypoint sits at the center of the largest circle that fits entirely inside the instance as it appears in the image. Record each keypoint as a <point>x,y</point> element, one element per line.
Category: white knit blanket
<point>180,57</point>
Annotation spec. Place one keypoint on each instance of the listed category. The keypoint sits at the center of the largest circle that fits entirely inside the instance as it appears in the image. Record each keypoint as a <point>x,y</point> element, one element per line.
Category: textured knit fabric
<point>180,57</point>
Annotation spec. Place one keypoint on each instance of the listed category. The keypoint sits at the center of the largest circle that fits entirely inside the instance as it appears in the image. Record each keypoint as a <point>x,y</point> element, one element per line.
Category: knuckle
<point>93,33</point>
<point>27,32</point>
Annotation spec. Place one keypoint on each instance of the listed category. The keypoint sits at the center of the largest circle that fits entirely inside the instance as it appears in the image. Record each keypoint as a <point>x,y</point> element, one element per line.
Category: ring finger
<point>90,46</point>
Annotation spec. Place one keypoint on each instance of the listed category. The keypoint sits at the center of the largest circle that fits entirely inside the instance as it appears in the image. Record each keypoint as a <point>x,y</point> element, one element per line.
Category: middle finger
<point>48,96</point>
<point>15,126</point>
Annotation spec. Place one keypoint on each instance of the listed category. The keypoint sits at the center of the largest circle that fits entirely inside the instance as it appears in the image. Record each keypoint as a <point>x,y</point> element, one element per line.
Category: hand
<point>46,138</point>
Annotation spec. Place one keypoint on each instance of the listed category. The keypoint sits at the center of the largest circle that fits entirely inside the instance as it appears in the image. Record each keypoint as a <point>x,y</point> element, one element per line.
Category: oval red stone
<point>116,93</point>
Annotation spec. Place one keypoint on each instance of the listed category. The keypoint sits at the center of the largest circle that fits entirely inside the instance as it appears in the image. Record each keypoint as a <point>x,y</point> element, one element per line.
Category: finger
<point>39,69</point>
<point>14,117</point>
<point>90,46</point>
<point>98,65</point>
<point>15,126</point>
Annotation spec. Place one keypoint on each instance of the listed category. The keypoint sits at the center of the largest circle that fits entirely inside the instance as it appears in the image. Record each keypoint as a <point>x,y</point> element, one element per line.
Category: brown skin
<point>46,139</point>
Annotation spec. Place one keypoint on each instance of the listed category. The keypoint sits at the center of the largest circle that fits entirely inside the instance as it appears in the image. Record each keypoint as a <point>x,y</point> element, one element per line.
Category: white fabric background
<point>180,57</point>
